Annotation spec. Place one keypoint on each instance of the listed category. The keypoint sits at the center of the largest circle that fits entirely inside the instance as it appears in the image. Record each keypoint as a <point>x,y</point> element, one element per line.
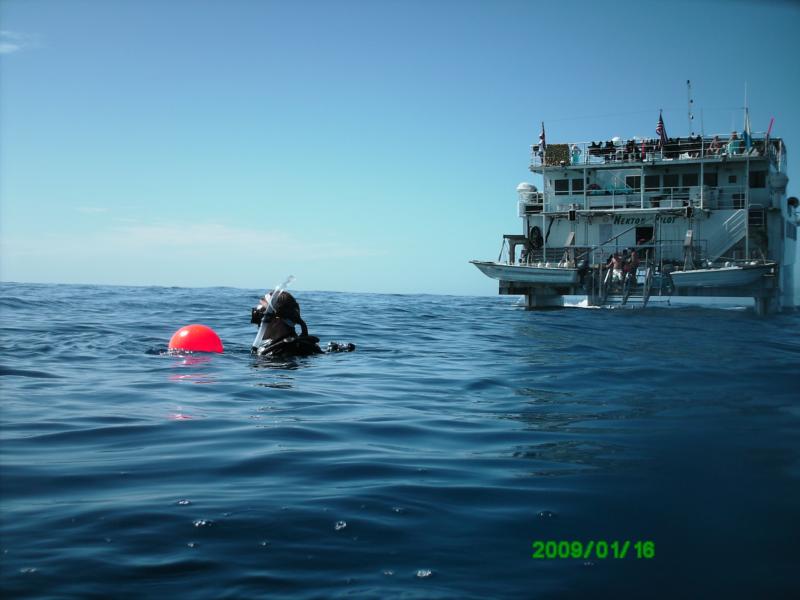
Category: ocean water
<point>423,465</point>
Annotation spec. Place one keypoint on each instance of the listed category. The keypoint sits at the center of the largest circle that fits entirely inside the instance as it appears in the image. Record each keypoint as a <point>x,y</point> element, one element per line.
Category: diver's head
<point>285,306</point>
<point>282,305</point>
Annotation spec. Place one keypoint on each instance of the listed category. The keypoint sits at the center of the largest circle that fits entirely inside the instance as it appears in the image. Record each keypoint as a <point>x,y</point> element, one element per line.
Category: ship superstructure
<point>698,220</point>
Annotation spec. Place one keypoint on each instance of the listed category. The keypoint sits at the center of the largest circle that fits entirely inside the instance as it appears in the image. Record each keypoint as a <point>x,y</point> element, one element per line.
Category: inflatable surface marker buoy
<point>196,338</point>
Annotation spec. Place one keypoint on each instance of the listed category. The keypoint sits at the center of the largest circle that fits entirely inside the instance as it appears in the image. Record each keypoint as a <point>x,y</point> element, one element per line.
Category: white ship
<point>698,220</point>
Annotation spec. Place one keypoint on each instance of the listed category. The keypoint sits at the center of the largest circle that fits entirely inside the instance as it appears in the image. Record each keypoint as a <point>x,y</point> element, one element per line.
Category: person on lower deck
<point>630,265</point>
<point>616,267</point>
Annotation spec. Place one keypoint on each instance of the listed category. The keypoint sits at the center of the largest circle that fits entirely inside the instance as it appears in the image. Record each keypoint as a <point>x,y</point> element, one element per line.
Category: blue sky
<point>361,146</point>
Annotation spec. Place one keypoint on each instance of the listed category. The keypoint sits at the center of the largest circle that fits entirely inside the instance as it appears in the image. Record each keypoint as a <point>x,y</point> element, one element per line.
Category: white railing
<point>530,202</point>
<point>669,251</point>
<point>661,251</point>
<point>725,197</point>
<point>637,150</point>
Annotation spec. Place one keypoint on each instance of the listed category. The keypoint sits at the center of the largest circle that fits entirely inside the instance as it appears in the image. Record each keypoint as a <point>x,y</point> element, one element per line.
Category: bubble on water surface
<point>203,523</point>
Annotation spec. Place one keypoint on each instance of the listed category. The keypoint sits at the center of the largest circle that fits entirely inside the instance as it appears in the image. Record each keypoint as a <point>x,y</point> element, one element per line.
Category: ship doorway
<point>536,242</point>
<point>644,236</point>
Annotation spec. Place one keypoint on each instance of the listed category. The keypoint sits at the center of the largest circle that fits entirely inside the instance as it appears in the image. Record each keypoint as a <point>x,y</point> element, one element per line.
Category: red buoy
<point>196,338</point>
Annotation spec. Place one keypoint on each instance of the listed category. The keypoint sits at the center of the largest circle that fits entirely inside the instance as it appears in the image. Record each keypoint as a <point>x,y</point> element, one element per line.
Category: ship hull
<point>636,302</point>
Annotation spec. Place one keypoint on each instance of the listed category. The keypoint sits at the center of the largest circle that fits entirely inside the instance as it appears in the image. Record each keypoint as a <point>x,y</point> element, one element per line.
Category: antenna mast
<point>746,178</point>
<point>690,105</point>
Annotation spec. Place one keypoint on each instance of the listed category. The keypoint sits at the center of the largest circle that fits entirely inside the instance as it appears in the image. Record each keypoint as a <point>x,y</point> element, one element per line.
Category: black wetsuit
<point>281,339</point>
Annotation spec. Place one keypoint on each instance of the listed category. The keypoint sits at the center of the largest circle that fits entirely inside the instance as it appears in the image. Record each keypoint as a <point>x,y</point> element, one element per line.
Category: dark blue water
<point>423,465</point>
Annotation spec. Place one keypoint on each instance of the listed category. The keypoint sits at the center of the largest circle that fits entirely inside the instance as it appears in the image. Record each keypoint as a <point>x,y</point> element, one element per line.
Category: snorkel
<point>266,310</point>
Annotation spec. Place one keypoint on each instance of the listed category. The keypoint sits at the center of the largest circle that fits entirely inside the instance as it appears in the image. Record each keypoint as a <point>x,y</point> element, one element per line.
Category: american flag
<point>661,131</point>
<point>542,142</point>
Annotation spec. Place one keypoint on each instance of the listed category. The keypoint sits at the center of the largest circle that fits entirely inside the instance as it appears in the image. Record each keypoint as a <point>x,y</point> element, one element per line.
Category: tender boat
<point>727,276</point>
<point>540,274</point>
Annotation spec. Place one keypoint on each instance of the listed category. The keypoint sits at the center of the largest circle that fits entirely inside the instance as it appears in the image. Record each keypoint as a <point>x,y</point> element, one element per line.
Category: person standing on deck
<point>734,145</point>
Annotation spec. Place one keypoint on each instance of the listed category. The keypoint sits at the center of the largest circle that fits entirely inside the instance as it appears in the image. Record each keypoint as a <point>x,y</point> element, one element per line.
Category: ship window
<point>670,181</point>
<point>710,179</point>
<point>577,186</point>
<point>689,179</point>
<point>731,178</point>
<point>562,187</point>
<point>633,181</point>
<point>651,183</point>
<point>758,179</point>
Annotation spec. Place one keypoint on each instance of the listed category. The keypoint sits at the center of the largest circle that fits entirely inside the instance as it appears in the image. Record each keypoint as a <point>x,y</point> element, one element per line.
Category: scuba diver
<point>277,315</point>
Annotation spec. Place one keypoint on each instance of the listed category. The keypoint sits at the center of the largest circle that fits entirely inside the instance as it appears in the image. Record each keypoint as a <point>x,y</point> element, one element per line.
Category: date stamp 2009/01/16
<point>598,549</point>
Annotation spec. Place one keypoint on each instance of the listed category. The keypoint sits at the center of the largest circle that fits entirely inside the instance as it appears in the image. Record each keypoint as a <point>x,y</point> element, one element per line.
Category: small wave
<point>8,371</point>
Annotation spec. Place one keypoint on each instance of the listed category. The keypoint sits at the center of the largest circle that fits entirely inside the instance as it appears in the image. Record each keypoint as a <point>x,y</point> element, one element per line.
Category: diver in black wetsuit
<point>277,315</point>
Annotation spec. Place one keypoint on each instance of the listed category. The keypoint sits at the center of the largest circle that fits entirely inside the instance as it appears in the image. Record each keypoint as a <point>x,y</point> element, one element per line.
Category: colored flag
<point>661,131</point>
<point>542,141</point>
<point>748,138</point>
<point>766,137</point>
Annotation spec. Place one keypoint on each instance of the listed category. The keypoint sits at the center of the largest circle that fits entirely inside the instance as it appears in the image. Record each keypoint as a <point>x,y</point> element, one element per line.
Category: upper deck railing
<point>618,152</point>
<point>712,197</point>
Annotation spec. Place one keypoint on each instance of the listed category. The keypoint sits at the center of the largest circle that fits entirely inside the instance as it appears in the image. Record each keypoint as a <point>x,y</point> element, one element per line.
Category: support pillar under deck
<point>542,298</point>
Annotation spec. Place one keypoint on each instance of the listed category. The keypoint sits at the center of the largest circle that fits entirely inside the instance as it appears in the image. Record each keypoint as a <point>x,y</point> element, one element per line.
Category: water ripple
<point>423,465</point>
